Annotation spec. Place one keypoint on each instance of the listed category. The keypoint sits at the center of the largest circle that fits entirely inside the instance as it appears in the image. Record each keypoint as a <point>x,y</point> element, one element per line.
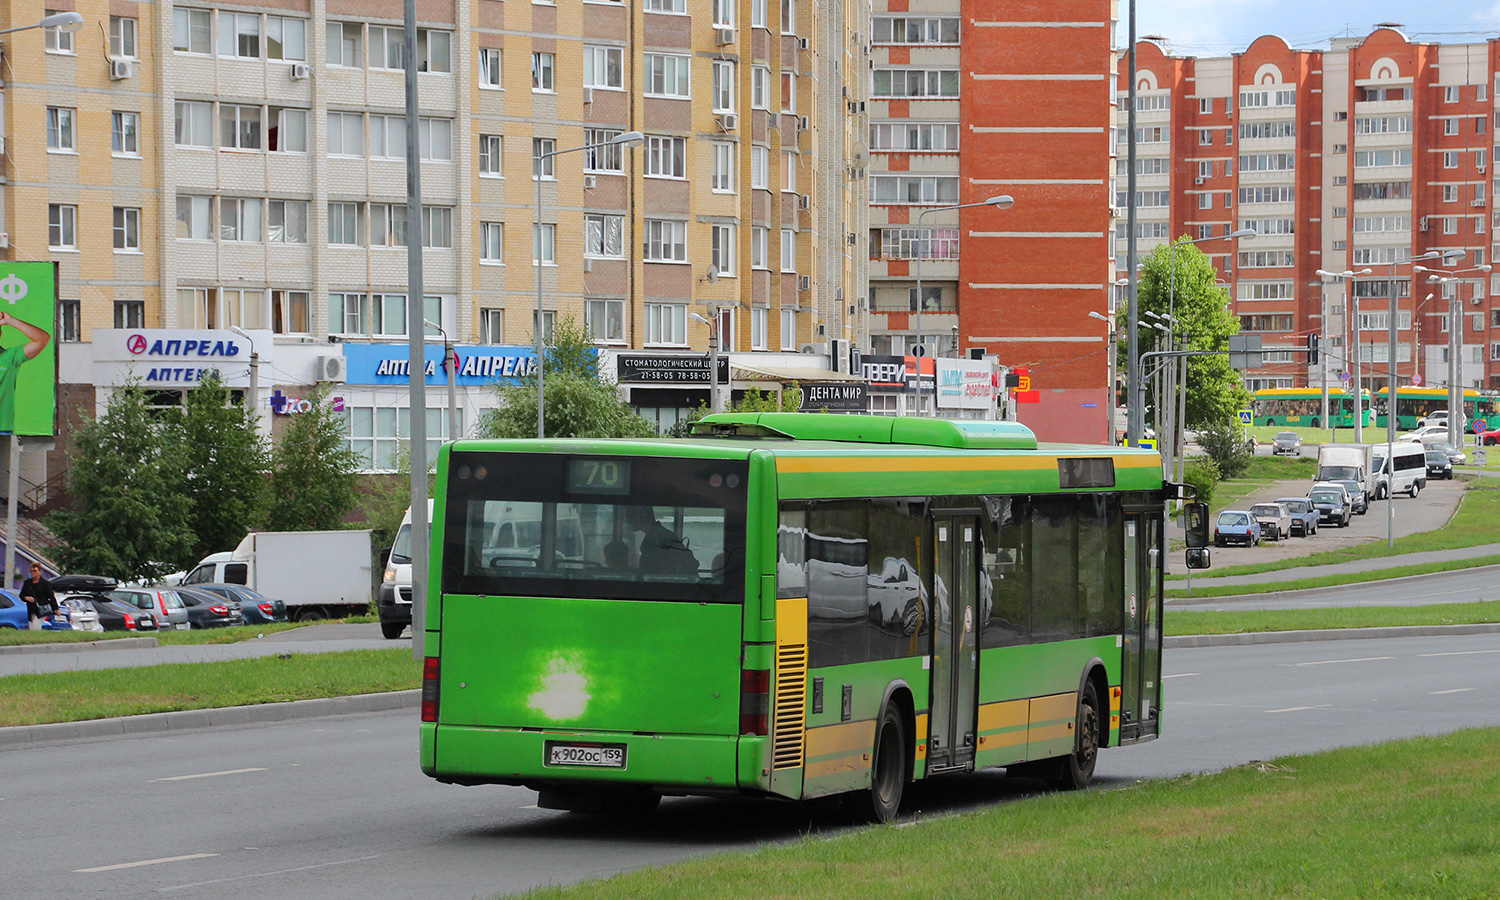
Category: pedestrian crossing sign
<point>1246,416</point>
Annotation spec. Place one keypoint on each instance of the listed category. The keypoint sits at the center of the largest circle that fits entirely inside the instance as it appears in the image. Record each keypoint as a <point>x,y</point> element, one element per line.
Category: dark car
<point>1286,442</point>
<point>256,609</point>
<point>117,616</point>
<point>209,610</point>
<point>1356,494</point>
<point>1332,504</point>
<point>1439,465</point>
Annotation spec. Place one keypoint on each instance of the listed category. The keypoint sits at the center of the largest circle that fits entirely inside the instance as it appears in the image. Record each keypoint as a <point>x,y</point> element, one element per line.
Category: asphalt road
<point>336,808</point>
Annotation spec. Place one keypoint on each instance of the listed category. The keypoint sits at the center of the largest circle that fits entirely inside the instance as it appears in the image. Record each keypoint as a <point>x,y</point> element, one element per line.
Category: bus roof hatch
<point>962,434</point>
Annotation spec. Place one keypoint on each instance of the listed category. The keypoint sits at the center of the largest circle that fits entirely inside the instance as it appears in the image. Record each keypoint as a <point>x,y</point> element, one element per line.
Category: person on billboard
<point>11,360</point>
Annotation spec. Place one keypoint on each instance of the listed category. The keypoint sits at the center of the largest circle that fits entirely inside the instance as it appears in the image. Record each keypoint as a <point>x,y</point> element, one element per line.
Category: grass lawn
<point>103,693</point>
<point>1407,819</point>
<point>1189,621</point>
<point>230,635</point>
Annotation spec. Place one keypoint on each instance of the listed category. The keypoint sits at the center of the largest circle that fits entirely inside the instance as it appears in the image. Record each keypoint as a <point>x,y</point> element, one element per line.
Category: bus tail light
<point>429,688</point>
<point>755,701</point>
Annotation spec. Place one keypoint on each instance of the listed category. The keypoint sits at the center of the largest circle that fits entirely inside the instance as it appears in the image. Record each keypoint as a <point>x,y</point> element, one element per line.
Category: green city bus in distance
<point>1289,407</point>
<point>790,606</point>
<point>1414,403</point>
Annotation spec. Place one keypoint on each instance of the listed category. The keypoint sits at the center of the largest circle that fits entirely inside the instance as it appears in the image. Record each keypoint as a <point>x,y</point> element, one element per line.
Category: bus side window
<point>1006,572</point>
<point>791,552</point>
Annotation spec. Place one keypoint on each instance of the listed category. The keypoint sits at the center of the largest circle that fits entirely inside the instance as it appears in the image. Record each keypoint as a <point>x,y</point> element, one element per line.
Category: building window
<point>723,173</point>
<point>239,34</point>
<point>62,224</point>
<point>437,227</point>
<point>758,13</point>
<point>72,321</point>
<point>548,319</point>
<point>344,44</point>
<point>919,243</point>
<point>1205,105</point>
<point>788,16</point>
<point>55,40</point>
<point>1450,159</point>
<point>492,243</point>
<point>286,130</point>
<point>1450,193</point>
<point>122,37</point>
<point>542,66</point>
<point>387,137</point>
<point>726,330</point>
<point>602,155</point>
<point>943,137</point>
<point>605,320</point>
<point>665,6</point>
<point>1450,93</point>
<point>199,307</point>
<point>604,67</point>
<point>543,158</point>
<point>667,76</point>
<point>913,30</point>
<point>492,326</point>
<point>124,133</point>
<point>666,241</point>
<point>286,38</point>
<point>760,247</point>
<point>291,312</point>
<point>666,323</point>
<point>489,156</point>
<point>435,140</point>
<point>194,124</point>
<point>723,86</point>
<point>387,46</point>
<point>760,87</point>
<point>544,245</point>
<point>666,157</point>
<point>192,32</point>
<point>239,219</point>
<point>789,92</point>
<point>239,127</point>
<point>346,134</point>
<point>759,327</point>
<point>345,224</point>
<point>489,68</point>
<point>789,329</point>
<point>604,236</point>
<point>348,313</point>
<point>129,313</point>
<point>247,309</point>
<point>760,167</point>
<point>195,218</point>
<point>912,189</point>
<point>60,129</point>
<point>127,229</point>
<point>388,224</point>
<point>723,11</point>
<point>915,83</point>
<point>379,434</point>
<point>788,250</point>
<point>287,221</point>
<point>723,253</point>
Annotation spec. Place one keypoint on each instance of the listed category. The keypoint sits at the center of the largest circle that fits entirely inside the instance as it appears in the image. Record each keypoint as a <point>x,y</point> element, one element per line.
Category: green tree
<point>386,500</point>
<point>579,402</point>
<point>220,460</point>
<point>1227,445</point>
<point>130,518</point>
<point>313,484</point>
<point>1201,308</point>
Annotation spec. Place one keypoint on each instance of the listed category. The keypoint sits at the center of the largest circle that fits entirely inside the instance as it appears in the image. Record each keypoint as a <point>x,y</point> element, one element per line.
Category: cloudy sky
<point>1198,27</point>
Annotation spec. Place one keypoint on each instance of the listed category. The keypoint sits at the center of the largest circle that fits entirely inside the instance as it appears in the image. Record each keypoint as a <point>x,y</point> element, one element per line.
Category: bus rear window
<point>624,528</point>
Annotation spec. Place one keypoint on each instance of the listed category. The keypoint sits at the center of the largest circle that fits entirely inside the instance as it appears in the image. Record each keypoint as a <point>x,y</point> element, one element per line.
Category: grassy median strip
<point>1300,584</point>
<point>1411,818</point>
<point>103,693</point>
<point>1191,621</point>
<point>232,634</point>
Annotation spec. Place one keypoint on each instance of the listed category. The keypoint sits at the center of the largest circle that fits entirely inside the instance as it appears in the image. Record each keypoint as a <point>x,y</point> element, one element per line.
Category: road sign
<point>1345,376</point>
<point>1246,416</point>
<point>1479,425</point>
<point>1146,444</point>
<point>1416,379</point>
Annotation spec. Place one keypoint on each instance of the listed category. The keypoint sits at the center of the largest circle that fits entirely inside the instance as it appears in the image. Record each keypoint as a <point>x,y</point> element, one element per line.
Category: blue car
<point>255,608</point>
<point>1304,515</point>
<point>1236,526</point>
<point>13,615</point>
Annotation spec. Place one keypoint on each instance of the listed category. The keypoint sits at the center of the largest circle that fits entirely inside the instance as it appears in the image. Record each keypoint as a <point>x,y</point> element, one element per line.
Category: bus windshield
<point>613,528</point>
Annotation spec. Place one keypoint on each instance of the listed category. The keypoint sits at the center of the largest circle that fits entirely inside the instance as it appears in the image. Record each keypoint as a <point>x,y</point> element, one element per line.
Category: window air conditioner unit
<point>1422,224</point>
<point>804,123</point>
<point>804,201</point>
<point>1476,202</point>
<point>301,71</point>
<point>804,43</point>
<point>804,282</point>
<point>330,368</point>
<point>590,182</point>
<point>121,69</point>
<point>727,121</point>
<point>810,349</point>
<point>1198,180</point>
<point>1480,170</point>
<point>723,36</point>
<point>588,95</point>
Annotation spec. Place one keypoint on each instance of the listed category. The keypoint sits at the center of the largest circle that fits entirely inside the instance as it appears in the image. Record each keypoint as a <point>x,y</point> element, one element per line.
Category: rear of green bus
<point>593,611</point>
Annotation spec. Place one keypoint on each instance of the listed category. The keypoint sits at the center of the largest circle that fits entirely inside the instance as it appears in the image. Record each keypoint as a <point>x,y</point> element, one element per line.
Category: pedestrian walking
<point>41,602</point>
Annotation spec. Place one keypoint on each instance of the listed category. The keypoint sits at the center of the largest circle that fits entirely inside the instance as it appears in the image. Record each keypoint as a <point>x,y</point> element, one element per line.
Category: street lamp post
<point>713,358</point>
<point>1351,306</point>
<point>1455,345</point>
<point>539,164</point>
<point>450,362</point>
<point>254,401</point>
<point>1109,321</point>
<point>1000,201</point>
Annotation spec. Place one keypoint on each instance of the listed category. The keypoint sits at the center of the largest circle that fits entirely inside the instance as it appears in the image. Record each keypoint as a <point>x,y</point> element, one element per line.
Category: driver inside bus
<point>662,552</point>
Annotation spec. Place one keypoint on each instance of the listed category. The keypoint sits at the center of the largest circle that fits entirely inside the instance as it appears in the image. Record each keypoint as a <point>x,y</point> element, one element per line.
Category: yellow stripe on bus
<point>1006,715</point>
<point>804,465</point>
<point>847,737</point>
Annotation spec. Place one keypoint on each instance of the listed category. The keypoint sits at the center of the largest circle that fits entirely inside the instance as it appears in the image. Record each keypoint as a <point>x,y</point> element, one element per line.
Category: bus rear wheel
<point>887,771</point>
<point>1078,766</point>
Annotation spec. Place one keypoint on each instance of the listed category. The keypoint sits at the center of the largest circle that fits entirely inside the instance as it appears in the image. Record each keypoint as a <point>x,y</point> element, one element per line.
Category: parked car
<point>206,609</point>
<point>1275,520</point>
<point>1488,438</point>
<point>1437,432</point>
<point>1358,502</point>
<point>256,609</point>
<point>1286,442</point>
<point>166,605</point>
<point>81,614</point>
<point>115,615</point>
<point>1455,455</point>
<point>1333,504</point>
<point>1440,417</point>
<point>13,614</point>
<point>1236,526</point>
<point>1304,515</point>
<point>1439,465</point>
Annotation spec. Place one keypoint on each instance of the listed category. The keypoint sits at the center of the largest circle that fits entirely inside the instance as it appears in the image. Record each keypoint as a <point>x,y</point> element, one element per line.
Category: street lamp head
<point>1001,201</point>
<point>63,21</point>
<point>1095,314</point>
<point>1484,268</point>
<point>239,331</point>
<point>702,318</point>
<point>1420,269</point>
<point>1243,233</point>
<point>628,139</point>
<point>1365,271</point>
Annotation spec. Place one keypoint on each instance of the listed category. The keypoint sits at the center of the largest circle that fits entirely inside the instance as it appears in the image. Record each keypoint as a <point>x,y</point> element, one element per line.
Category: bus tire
<point>1270,423</point>
<point>1078,766</point>
<point>888,769</point>
<point>1315,422</point>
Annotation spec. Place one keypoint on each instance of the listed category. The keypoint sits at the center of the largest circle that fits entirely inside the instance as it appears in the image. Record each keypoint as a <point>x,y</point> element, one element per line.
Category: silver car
<point>168,607</point>
<point>1286,442</point>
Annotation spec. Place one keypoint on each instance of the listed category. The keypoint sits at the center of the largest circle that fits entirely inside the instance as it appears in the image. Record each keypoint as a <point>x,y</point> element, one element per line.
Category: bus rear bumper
<point>668,764</point>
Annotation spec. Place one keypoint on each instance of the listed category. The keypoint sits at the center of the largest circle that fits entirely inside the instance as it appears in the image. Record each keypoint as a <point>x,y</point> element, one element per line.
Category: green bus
<point>1414,403</point>
<point>789,605</point>
<point>1304,406</point>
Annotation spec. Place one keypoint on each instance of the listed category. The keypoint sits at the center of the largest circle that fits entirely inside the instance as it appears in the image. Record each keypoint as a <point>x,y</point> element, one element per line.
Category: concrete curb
<point>1272,589</point>
<point>1186,641</point>
<point>21,736</point>
<point>143,643</point>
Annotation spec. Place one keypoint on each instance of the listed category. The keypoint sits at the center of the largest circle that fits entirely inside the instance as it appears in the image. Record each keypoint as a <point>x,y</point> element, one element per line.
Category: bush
<point>1202,473</point>
<point>1225,443</point>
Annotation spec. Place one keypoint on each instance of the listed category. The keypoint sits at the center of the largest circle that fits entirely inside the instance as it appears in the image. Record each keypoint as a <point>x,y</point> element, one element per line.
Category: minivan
<point>1409,472</point>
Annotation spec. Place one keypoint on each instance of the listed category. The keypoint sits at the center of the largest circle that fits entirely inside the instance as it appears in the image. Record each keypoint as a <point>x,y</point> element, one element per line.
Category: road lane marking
<point>341,862</point>
<point>1453,691</point>
<point>208,775</point>
<point>147,862</point>
<point>1299,708</point>
<point>1330,662</point>
<point>1179,675</point>
<point>1459,653</point>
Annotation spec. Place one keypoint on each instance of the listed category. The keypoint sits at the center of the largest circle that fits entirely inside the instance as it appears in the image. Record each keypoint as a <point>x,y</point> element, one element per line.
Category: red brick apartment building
<point>1357,157</point>
<point>980,99</point>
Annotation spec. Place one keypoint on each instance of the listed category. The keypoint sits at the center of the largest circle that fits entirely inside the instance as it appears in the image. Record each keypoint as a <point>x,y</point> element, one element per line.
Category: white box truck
<point>318,574</point>
<point>1349,462</point>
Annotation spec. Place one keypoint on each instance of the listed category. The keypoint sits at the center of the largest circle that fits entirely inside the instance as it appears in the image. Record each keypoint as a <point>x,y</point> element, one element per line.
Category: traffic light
<point>1312,349</point>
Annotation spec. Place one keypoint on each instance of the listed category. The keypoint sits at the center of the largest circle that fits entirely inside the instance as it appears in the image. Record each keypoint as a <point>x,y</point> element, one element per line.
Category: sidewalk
<point>1363,565</point>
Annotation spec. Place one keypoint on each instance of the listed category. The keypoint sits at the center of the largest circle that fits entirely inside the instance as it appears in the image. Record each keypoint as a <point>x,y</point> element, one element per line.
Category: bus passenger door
<point>1140,679</point>
<point>955,654</point>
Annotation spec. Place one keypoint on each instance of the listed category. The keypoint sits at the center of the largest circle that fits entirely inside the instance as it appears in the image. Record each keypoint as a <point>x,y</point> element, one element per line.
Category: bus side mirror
<point>1199,558</point>
<point>1195,524</point>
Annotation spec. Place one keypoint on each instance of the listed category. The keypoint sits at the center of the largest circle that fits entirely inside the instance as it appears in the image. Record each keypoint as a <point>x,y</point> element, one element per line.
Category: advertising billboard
<point>28,354</point>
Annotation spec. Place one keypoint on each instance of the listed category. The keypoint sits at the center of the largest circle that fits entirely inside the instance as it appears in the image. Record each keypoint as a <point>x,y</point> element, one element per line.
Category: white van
<point>1409,472</point>
<point>393,600</point>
